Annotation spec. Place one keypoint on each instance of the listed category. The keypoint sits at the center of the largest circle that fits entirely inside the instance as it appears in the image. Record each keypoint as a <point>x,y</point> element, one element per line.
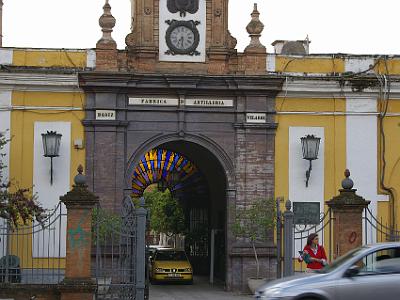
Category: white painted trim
<point>39,82</point>
<point>359,64</point>
<point>91,59</point>
<point>329,113</point>
<point>328,88</point>
<point>5,127</point>
<point>6,56</point>
<point>52,108</point>
<point>271,60</point>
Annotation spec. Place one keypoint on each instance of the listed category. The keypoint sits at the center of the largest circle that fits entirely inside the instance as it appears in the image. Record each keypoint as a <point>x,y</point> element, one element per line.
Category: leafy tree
<point>166,214</point>
<point>254,222</point>
<point>16,204</point>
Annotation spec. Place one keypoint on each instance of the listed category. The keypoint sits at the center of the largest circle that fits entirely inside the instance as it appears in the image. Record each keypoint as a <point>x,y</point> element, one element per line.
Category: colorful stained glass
<point>159,164</point>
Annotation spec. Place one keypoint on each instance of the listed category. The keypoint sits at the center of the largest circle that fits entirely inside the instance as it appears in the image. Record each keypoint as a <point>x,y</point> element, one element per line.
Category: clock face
<point>182,38</point>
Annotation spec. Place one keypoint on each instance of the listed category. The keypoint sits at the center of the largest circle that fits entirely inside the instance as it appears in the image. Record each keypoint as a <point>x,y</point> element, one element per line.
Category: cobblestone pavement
<point>200,290</point>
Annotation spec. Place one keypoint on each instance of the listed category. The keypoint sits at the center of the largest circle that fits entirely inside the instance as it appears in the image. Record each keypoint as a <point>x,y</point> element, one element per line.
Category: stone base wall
<point>24,292</point>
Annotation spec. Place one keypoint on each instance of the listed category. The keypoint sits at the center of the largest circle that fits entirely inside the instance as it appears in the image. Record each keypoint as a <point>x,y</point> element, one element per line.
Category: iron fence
<point>376,231</point>
<point>35,253</point>
<point>119,252</point>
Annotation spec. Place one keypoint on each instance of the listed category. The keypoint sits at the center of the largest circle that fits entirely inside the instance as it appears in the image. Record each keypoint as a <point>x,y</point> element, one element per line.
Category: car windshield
<point>341,260</point>
<point>171,255</point>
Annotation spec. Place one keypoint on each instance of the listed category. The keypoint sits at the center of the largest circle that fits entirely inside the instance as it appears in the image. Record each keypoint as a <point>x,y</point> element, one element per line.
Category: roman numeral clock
<point>182,26</point>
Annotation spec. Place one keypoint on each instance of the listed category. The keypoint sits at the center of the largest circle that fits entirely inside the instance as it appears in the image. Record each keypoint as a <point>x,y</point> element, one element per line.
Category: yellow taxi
<point>170,265</point>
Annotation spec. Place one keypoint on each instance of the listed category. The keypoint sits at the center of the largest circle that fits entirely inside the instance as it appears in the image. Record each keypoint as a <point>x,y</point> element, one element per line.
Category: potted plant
<point>252,224</point>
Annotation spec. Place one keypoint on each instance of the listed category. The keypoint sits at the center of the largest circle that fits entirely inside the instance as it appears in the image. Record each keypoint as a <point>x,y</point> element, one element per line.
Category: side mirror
<point>352,271</point>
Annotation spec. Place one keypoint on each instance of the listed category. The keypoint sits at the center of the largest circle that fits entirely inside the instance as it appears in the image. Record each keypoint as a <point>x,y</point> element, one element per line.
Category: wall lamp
<point>310,146</point>
<point>51,147</point>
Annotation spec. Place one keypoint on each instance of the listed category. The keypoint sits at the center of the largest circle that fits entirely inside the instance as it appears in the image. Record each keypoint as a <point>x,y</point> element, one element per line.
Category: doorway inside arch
<point>196,180</point>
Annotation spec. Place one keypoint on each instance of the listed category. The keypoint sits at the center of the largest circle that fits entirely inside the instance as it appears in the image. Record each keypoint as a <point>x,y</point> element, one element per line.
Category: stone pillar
<point>80,203</point>
<point>106,47</point>
<point>254,60</point>
<point>347,209</point>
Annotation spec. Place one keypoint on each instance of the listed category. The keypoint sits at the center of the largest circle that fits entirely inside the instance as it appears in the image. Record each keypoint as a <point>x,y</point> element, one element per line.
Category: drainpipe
<point>1,23</point>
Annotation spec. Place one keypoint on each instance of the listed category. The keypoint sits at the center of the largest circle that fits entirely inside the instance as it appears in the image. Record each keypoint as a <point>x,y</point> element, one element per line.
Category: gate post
<point>279,237</point>
<point>288,238</point>
<point>347,209</point>
<point>140,251</point>
<point>77,283</point>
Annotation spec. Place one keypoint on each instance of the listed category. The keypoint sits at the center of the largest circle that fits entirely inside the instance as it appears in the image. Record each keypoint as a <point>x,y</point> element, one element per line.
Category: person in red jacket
<point>314,254</point>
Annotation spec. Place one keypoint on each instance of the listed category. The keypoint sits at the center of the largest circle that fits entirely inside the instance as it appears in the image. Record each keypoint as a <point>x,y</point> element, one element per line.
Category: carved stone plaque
<point>183,6</point>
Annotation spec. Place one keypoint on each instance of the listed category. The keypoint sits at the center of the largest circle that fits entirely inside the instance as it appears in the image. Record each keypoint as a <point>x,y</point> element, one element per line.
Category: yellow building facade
<point>39,93</point>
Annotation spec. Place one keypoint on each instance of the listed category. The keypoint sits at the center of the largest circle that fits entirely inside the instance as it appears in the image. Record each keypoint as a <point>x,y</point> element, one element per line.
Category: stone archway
<point>207,209</point>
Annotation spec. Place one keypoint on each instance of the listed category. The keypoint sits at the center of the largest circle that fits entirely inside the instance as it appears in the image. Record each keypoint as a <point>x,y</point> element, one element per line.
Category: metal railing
<point>376,231</point>
<point>35,253</point>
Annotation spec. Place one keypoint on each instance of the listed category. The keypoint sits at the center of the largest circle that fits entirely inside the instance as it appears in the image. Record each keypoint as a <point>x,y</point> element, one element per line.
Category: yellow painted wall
<point>21,146</point>
<point>50,58</point>
<point>391,126</point>
<point>335,140</point>
<point>309,64</point>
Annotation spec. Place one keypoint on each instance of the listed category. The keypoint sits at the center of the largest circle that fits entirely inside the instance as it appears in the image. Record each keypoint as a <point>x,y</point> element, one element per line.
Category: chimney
<point>300,47</point>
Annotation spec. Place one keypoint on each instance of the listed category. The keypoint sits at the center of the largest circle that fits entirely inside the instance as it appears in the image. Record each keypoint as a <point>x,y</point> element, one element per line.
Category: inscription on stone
<point>154,101</point>
<point>256,118</point>
<point>105,114</point>
<point>210,102</point>
<point>306,213</point>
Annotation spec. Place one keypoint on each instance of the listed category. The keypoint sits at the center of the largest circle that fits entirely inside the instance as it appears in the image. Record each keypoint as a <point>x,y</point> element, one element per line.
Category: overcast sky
<point>333,26</point>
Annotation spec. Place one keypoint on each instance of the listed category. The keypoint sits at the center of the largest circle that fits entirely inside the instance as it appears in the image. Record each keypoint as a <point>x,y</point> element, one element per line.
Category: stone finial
<point>80,179</point>
<point>79,196</point>
<point>288,204</point>
<point>107,23</point>
<point>347,183</point>
<point>255,28</point>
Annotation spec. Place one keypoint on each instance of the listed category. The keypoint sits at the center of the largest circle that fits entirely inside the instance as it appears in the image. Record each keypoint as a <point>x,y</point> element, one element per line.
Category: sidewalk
<point>200,290</point>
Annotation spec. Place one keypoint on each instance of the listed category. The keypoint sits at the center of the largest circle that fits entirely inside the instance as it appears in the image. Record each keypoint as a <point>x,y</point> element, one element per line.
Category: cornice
<point>39,82</point>
<point>328,88</point>
<point>105,82</point>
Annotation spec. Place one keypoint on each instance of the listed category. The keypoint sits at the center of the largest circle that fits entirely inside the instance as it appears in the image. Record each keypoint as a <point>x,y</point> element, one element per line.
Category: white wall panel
<point>5,127</point>
<point>362,151</point>
<point>298,192</point>
<point>48,195</point>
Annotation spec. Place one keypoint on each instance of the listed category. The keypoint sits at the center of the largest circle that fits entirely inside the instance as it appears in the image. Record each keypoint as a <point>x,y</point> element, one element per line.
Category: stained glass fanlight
<point>169,170</point>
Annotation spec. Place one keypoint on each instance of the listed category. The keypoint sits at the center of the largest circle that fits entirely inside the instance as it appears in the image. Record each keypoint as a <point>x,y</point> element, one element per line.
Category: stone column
<point>347,209</point>
<point>80,203</point>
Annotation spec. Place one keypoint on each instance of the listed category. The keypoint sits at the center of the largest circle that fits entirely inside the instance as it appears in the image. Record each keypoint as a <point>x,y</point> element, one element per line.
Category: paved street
<point>200,290</point>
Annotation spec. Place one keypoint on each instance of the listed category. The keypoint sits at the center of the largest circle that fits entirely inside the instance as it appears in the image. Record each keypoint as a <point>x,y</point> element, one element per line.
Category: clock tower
<point>182,35</point>
<point>180,85</point>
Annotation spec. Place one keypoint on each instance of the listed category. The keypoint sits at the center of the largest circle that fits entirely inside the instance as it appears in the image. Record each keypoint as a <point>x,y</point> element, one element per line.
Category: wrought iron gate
<point>120,252</point>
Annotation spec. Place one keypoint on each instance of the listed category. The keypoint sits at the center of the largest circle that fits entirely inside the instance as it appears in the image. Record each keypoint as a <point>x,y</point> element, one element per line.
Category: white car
<point>370,272</point>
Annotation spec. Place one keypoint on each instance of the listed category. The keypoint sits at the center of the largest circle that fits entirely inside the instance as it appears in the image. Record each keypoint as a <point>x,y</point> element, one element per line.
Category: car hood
<point>292,281</point>
<point>168,264</point>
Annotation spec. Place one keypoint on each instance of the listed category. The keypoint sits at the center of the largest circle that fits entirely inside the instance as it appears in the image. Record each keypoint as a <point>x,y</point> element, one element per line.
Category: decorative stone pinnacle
<point>255,28</point>
<point>107,23</point>
<point>347,183</point>
<point>80,179</point>
<point>288,204</point>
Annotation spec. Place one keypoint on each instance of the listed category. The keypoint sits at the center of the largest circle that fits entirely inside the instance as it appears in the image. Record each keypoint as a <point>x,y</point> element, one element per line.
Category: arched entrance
<point>198,181</point>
